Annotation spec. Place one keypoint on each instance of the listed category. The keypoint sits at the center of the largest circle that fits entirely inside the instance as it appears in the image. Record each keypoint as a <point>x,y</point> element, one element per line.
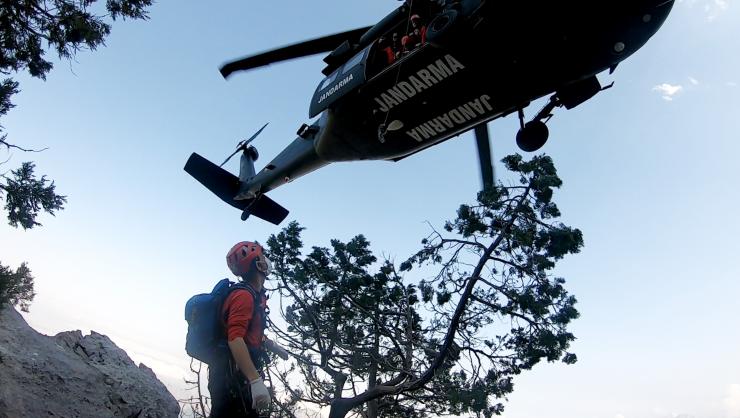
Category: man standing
<point>235,382</point>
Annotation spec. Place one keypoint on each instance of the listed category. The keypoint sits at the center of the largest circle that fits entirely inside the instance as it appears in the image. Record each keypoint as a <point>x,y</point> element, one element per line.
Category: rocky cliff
<point>73,376</point>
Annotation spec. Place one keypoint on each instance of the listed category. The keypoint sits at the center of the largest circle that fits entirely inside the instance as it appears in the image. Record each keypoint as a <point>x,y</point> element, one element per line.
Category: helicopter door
<point>342,81</point>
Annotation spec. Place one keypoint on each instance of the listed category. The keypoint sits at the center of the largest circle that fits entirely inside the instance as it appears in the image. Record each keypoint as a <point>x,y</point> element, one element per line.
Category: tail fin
<point>226,185</point>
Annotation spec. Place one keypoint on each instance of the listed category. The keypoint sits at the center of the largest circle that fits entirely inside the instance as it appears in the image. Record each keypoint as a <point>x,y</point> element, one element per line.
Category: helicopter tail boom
<point>226,186</point>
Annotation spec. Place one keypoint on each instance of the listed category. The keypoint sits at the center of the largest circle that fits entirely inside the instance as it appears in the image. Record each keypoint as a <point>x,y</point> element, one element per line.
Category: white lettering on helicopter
<point>452,118</point>
<point>423,79</point>
<point>335,88</point>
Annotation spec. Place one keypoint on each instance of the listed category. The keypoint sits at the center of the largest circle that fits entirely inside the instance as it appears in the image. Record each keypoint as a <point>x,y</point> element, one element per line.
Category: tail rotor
<point>242,145</point>
<point>234,190</point>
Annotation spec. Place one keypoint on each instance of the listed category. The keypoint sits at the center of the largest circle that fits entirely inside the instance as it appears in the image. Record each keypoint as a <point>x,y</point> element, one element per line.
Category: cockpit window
<point>329,80</point>
<point>354,61</point>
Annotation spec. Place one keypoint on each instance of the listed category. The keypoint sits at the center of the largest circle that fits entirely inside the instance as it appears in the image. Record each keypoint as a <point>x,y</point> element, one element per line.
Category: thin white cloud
<point>715,8</point>
<point>731,401</point>
<point>668,91</point>
<point>693,81</point>
<point>619,416</point>
<point>731,84</point>
<point>712,8</point>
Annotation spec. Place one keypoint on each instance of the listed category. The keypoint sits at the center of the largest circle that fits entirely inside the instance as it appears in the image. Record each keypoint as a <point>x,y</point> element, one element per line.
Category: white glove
<point>260,395</point>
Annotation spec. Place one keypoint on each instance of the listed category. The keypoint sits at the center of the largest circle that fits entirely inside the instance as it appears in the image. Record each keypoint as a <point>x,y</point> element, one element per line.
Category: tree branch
<point>8,145</point>
<point>340,406</point>
<point>464,242</point>
<point>505,311</point>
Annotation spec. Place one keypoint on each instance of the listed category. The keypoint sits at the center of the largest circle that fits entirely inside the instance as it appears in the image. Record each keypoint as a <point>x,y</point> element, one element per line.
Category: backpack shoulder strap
<point>256,300</point>
<point>248,287</point>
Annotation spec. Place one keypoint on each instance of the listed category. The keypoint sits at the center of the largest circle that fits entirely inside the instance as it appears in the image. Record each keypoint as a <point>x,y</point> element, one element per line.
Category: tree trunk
<point>372,406</point>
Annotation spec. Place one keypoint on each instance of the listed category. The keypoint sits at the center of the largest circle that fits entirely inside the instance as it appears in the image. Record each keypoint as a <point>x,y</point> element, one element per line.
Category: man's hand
<point>260,395</point>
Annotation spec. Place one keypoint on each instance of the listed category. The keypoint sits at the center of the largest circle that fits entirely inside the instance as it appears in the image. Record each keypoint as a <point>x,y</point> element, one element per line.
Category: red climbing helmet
<point>243,255</point>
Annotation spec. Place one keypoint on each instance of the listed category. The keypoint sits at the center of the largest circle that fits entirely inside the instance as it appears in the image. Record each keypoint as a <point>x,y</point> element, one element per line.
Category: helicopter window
<point>354,61</point>
<point>329,80</point>
<point>403,39</point>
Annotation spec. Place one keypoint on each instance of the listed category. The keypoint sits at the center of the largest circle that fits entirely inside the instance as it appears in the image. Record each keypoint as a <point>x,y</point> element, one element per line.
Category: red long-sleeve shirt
<point>242,320</point>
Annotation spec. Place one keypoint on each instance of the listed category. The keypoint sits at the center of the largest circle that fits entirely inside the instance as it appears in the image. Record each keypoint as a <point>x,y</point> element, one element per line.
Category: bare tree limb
<point>9,145</point>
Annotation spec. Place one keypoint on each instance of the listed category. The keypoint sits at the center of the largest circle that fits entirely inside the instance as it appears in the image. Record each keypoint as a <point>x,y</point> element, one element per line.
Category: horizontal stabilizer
<point>226,185</point>
<point>265,208</point>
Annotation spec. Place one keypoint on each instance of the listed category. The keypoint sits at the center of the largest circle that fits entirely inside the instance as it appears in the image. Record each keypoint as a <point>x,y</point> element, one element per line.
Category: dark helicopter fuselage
<point>483,60</point>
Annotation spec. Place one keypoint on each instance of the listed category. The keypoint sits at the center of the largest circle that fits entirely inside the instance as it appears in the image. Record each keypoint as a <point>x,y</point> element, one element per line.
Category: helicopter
<point>460,64</point>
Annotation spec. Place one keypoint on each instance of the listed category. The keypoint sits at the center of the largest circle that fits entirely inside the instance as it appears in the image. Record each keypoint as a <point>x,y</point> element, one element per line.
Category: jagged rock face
<point>73,376</point>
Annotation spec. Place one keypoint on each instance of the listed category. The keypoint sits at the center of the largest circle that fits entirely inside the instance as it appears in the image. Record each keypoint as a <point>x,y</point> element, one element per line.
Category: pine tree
<point>25,196</point>
<point>16,287</point>
<point>27,29</point>
<point>379,341</point>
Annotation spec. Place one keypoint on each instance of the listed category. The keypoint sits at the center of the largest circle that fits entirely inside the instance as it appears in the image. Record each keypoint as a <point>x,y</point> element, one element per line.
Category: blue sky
<point>649,170</point>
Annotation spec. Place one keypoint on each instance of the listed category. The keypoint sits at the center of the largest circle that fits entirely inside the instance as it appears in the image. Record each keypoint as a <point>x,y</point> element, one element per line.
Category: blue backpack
<point>206,338</point>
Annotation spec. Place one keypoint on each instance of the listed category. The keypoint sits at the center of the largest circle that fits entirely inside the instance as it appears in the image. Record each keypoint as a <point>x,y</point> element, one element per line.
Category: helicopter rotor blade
<point>242,145</point>
<point>229,157</point>
<point>301,49</point>
<point>254,136</point>
<point>484,155</point>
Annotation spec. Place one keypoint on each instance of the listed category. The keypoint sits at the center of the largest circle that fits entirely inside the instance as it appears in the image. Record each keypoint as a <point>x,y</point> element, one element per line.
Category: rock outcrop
<point>73,376</point>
